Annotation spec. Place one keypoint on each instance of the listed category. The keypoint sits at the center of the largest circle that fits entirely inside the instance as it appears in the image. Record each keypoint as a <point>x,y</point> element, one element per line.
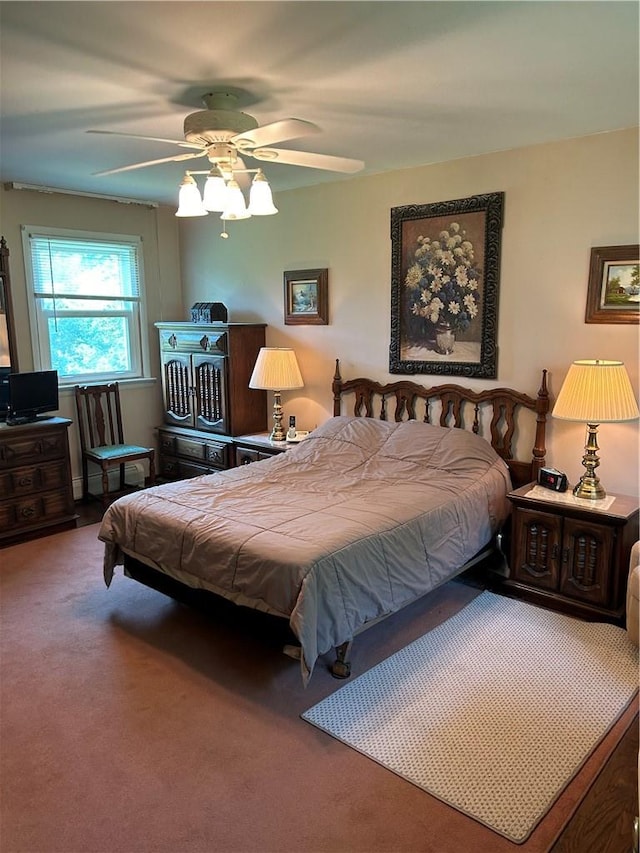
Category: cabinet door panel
<point>586,556</point>
<point>536,552</point>
<point>178,389</point>
<point>210,390</point>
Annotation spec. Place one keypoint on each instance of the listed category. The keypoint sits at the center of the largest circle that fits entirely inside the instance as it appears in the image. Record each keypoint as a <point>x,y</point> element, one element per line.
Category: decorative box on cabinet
<point>188,453</point>
<point>572,556</point>
<point>205,376</point>
<point>253,448</point>
<point>36,490</point>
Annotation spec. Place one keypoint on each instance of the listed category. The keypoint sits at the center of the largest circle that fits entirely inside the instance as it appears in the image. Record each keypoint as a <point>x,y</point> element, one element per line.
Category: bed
<point>391,497</point>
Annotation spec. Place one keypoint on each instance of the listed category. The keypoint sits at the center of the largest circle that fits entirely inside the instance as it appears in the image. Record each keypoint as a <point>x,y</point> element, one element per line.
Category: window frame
<point>135,319</point>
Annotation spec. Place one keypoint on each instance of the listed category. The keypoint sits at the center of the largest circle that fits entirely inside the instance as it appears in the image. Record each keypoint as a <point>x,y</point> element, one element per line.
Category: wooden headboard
<point>459,407</point>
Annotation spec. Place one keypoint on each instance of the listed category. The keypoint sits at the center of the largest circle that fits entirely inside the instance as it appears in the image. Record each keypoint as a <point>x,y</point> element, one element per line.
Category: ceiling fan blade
<point>175,159</point>
<point>305,158</point>
<point>277,131</point>
<point>180,142</point>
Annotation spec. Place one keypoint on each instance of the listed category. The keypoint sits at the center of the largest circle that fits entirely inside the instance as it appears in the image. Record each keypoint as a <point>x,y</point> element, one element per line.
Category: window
<point>85,303</point>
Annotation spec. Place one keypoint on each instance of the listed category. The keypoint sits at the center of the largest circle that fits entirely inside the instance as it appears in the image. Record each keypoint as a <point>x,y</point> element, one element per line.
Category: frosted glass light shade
<point>189,198</point>
<point>215,192</point>
<point>236,207</point>
<point>260,198</point>
<point>276,369</point>
<point>595,392</point>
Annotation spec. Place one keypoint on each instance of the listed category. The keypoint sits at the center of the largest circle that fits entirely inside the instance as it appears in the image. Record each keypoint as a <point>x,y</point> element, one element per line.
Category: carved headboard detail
<point>454,406</point>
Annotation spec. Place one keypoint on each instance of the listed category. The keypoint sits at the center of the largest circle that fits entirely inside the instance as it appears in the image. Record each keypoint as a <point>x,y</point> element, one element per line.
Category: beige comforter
<point>352,524</point>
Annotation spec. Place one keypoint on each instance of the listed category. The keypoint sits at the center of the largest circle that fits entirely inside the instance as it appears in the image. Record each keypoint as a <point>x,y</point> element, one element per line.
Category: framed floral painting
<point>613,293</point>
<point>445,271</point>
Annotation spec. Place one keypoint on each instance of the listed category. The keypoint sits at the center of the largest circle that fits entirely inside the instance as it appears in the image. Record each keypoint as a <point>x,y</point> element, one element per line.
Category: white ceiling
<point>396,84</point>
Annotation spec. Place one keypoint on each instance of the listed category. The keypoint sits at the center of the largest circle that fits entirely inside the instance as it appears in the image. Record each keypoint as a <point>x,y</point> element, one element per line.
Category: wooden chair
<point>102,439</point>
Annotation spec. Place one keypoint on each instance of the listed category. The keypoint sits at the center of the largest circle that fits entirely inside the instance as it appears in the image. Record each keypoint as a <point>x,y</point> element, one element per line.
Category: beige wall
<point>142,405</point>
<point>560,200</point>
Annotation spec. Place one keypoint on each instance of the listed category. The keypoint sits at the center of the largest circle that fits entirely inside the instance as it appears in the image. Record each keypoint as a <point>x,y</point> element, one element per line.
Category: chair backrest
<point>99,415</point>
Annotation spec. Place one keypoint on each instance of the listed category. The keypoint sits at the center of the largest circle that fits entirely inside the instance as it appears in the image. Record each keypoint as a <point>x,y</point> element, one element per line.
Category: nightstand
<point>252,448</point>
<point>569,554</point>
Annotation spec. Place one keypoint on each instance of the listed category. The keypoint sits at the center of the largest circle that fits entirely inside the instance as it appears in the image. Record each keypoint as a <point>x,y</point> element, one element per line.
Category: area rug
<point>493,712</point>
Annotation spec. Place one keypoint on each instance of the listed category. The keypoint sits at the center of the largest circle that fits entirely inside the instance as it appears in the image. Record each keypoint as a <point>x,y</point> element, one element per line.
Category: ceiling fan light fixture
<point>215,191</point>
<point>260,197</point>
<point>189,198</point>
<point>236,207</point>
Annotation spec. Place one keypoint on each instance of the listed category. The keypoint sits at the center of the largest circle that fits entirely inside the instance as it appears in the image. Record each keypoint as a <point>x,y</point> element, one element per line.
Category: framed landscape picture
<point>306,299</point>
<point>445,269</point>
<point>613,293</point>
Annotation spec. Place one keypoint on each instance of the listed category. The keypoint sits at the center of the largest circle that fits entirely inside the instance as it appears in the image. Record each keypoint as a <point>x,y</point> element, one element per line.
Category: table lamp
<point>595,392</point>
<point>276,369</point>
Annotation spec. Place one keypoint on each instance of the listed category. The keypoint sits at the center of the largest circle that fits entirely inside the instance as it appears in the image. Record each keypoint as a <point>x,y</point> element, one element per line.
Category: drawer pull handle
<point>27,511</point>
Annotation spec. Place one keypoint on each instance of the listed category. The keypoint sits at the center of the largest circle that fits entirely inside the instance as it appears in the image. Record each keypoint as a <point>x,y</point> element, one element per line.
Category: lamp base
<point>589,486</point>
<point>589,489</point>
<point>277,433</point>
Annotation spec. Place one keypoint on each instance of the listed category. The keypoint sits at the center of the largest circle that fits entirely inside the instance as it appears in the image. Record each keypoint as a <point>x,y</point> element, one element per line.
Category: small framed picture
<point>613,295</point>
<point>306,298</point>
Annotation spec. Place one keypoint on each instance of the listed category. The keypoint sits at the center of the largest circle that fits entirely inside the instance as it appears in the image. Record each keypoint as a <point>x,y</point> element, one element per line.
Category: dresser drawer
<point>32,449</point>
<point>172,468</point>
<point>167,442</point>
<point>211,452</point>
<point>195,339</point>
<point>246,455</point>
<point>35,510</point>
<point>32,478</point>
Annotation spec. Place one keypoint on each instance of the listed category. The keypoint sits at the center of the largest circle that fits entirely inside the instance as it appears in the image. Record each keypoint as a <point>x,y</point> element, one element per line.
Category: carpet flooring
<point>494,711</point>
<point>133,724</point>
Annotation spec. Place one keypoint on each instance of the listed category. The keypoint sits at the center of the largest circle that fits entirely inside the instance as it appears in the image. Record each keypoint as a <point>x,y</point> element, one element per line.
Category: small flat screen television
<point>32,396</point>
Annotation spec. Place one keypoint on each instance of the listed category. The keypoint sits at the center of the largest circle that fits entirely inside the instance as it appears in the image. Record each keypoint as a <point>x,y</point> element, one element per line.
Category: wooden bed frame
<point>404,400</point>
<point>458,407</point>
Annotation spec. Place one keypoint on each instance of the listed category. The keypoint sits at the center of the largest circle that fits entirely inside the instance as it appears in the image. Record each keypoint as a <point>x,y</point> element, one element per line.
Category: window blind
<point>98,269</point>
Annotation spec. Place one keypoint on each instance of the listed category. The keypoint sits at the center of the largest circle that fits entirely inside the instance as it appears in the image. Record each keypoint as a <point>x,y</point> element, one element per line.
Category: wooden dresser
<point>36,490</point>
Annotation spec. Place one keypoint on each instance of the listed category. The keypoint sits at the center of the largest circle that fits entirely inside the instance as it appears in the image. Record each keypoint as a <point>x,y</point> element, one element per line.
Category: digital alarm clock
<point>550,478</point>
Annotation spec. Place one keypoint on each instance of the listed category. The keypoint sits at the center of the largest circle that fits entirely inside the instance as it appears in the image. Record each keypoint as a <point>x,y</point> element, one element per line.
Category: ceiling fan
<point>221,133</point>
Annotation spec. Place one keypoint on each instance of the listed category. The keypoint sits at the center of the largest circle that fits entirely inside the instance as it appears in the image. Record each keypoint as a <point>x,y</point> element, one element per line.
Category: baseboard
<point>134,474</point>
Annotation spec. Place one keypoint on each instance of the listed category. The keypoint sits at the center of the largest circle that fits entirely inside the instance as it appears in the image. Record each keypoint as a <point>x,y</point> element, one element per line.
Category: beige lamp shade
<point>596,392</point>
<point>276,369</point>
